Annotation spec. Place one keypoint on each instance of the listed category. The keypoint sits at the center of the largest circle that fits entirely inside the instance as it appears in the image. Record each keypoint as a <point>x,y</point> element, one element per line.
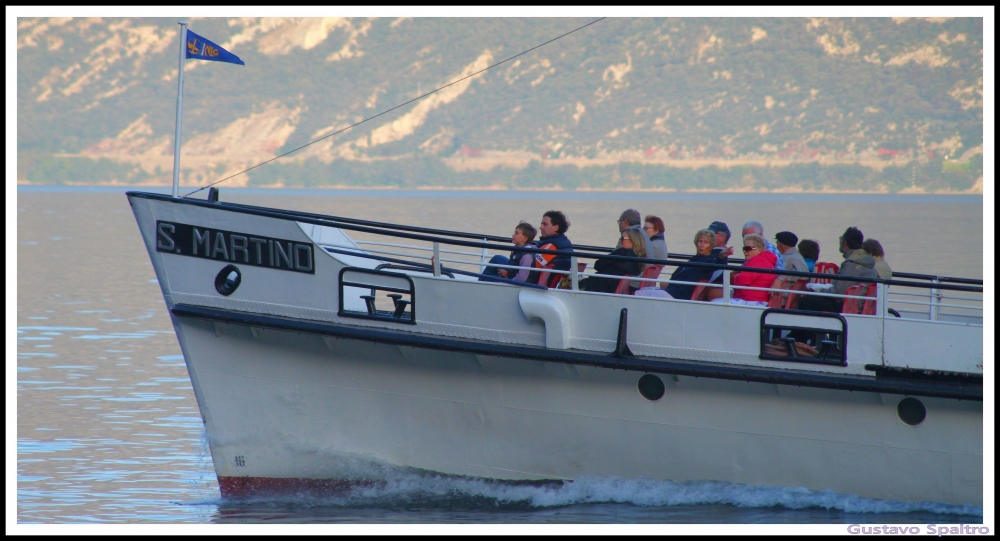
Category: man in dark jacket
<point>857,262</point>
<point>722,235</point>
<point>721,252</point>
<point>553,230</point>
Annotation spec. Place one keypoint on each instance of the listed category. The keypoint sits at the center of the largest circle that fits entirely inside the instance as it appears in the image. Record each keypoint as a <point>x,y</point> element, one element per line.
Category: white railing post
<point>482,267</point>
<point>437,259</point>
<point>727,288</point>
<point>882,299</point>
<point>935,300</point>
<point>574,273</point>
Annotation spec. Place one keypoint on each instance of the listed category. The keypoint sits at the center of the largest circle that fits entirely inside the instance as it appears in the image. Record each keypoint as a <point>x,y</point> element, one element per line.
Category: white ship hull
<point>294,406</point>
<point>293,394</point>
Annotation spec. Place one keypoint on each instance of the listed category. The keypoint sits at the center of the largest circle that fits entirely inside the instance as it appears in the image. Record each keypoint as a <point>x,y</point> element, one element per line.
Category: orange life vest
<point>542,260</point>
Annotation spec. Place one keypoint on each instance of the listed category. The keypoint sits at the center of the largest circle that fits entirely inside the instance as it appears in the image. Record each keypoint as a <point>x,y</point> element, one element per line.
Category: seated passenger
<point>633,245</point>
<point>809,249</point>
<point>630,219</point>
<point>793,259</point>
<point>524,234</point>
<point>553,230</point>
<point>874,248</point>
<point>857,262</point>
<point>704,242</point>
<point>757,256</point>
<point>721,251</point>
<point>722,235</point>
<point>657,244</point>
<point>753,227</point>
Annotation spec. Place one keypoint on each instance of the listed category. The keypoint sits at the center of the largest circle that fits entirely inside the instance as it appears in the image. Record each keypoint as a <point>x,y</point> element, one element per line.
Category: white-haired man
<point>753,227</point>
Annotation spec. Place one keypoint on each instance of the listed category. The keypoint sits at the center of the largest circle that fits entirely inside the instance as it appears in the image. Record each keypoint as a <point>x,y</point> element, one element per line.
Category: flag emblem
<point>203,49</point>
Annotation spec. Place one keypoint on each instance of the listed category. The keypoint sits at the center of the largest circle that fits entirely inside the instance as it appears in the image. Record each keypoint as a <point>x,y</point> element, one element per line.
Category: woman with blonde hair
<point>704,242</point>
<point>633,245</point>
<point>757,256</point>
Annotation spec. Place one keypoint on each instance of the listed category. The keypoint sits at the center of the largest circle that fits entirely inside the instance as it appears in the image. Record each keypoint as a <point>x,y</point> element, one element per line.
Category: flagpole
<point>180,100</point>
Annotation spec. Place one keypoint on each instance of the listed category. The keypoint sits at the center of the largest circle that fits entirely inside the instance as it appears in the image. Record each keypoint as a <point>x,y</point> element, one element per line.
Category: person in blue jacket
<point>704,242</point>
<point>553,230</point>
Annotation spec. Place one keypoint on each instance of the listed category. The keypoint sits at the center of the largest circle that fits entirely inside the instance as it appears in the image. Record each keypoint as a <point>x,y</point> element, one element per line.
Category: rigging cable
<point>396,107</point>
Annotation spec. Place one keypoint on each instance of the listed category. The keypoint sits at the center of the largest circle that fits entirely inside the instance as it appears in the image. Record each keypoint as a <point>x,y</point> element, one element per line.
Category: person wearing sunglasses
<point>757,256</point>
<point>633,245</point>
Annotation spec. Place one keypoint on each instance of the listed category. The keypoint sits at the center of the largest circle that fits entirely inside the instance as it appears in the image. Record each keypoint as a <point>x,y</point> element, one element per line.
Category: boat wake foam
<point>390,487</point>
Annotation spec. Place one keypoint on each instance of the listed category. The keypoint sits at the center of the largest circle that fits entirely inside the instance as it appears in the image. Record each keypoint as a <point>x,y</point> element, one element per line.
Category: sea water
<point>108,430</point>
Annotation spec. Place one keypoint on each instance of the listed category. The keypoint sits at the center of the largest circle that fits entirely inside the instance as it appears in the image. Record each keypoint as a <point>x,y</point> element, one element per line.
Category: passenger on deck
<point>874,249</point>
<point>553,230</point>
<point>704,241</point>
<point>809,249</point>
<point>633,245</point>
<point>722,236</point>
<point>756,256</point>
<point>524,234</point>
<point>753,227</point>
<point>857,262</point>
<point>721,251</point>
<point>654,229</point>
<point>793,259</point>
<point>629,219</point>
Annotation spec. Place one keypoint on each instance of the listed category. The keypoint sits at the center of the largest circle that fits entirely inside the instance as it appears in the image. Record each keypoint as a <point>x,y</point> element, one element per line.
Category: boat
<point>315,343</point>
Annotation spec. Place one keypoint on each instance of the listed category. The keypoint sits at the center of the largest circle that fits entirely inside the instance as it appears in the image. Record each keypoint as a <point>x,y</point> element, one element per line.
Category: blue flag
<point>200,48</point>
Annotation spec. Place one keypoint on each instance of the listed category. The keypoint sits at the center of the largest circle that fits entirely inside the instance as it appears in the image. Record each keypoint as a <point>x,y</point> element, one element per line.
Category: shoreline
<point>504,189</point>
<point>382,191</point>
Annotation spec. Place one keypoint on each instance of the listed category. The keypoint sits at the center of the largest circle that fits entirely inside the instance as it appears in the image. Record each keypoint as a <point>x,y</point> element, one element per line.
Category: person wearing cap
<point>786,245</point>
<point>722,236</point>
<point>721,252</point>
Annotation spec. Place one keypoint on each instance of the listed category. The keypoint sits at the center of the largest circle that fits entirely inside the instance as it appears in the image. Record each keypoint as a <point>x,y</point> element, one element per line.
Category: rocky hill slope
<point>729,104</point>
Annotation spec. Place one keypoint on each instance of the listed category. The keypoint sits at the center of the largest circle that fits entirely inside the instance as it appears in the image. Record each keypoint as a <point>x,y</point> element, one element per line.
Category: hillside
<point>722,104</point>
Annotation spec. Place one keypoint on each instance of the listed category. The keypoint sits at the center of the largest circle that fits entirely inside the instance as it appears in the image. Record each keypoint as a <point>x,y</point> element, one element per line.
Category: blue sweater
<point>690,274</point>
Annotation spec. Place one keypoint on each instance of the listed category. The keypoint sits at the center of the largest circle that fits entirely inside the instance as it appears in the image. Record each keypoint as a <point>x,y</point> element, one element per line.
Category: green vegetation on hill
<point>431,172</point>
<point>47,169</point>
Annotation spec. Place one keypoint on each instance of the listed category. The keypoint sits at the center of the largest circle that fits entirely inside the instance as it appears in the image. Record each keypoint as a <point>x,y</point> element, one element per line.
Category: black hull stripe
<point>679,367</point>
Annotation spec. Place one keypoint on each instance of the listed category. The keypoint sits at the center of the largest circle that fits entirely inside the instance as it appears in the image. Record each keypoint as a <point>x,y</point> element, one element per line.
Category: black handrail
<point>578,247</point>
<point>331,221</point>
<point>938,278</point>
<point>498,238</point>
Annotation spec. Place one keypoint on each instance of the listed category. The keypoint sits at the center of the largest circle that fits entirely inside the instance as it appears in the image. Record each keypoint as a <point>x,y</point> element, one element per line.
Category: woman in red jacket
<point>758,257</point>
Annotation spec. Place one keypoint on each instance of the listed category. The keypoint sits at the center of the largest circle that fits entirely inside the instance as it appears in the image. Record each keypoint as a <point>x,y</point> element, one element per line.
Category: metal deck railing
<point>948,299</point>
